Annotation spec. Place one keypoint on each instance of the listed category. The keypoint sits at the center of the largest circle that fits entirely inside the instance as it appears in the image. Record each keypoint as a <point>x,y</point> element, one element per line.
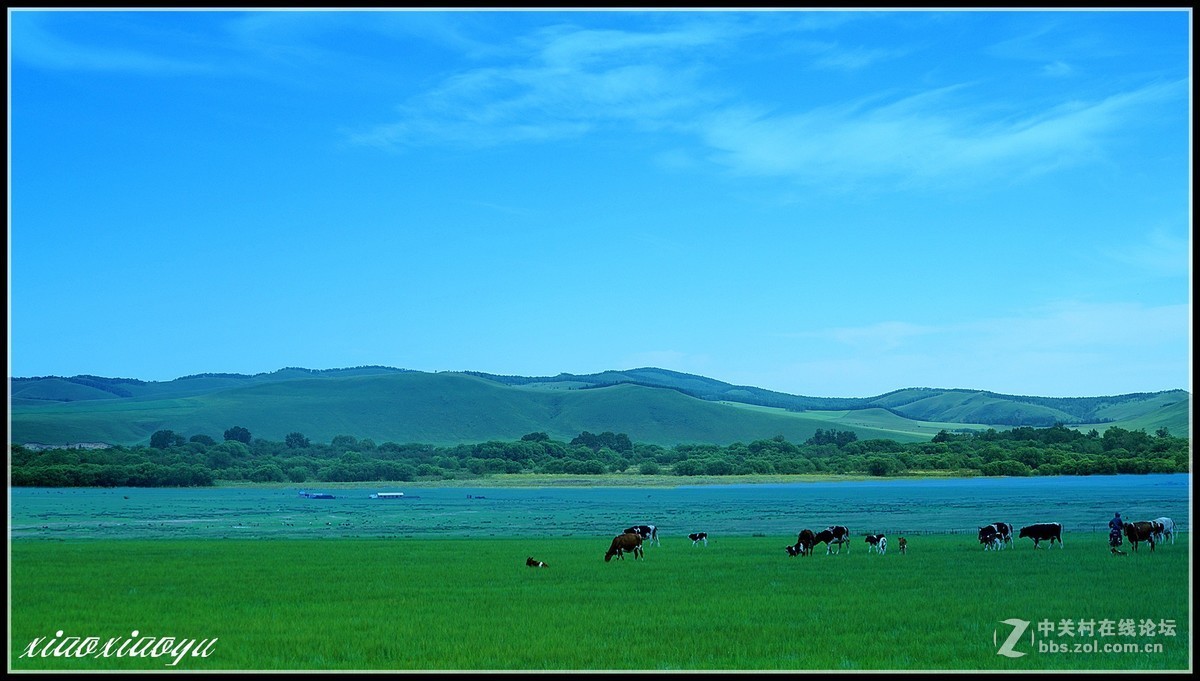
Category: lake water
<point>1081,504</point>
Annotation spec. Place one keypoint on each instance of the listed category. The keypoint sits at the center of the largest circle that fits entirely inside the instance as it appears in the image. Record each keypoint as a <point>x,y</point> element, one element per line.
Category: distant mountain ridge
<point>407,405</point>
<point>907,402</point>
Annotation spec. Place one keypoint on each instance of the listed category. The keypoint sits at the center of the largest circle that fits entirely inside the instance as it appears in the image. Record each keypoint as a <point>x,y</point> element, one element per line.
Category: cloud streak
<point>35,44</point>
<point>572,82</point>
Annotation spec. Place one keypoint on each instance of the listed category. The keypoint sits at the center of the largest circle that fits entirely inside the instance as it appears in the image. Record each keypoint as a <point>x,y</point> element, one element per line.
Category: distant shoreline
<point>535,480</point>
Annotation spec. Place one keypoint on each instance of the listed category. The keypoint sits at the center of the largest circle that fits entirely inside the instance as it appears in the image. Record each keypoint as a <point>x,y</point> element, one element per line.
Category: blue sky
<point>823,203</point>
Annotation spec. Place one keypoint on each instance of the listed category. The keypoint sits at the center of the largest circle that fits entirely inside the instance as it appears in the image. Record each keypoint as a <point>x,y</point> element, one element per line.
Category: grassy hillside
<point>418,407</point>
<point>649,405</point>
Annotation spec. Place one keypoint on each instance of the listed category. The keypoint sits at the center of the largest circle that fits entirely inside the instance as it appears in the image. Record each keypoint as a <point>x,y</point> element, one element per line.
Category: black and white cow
<point>1043,531</point>
<point>535,563</point>
<point>698,537</point>
<point>989,537</point>
<point>834,534</point>
<point>996,535</point>
<point>648,533</point>
<point>878,542</point>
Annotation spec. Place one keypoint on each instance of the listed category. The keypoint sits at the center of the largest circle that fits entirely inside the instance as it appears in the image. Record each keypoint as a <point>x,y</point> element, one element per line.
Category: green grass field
<point>452,604</point>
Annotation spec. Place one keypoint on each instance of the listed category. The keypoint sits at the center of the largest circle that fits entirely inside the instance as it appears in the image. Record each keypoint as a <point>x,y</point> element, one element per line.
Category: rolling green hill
<point>650,405</point>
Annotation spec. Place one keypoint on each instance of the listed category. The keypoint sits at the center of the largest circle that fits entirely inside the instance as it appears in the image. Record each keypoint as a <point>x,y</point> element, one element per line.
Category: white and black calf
<point>648,533</point>
<point>996,535</point>
<point>1167,530</point>
<point>534,563</point>
<point>698,537</point>
<point>877,542</point>
<point>1040,532</point>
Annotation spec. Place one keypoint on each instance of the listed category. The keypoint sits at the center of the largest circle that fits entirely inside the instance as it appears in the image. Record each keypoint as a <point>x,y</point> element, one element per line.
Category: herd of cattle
<point>994,536</point>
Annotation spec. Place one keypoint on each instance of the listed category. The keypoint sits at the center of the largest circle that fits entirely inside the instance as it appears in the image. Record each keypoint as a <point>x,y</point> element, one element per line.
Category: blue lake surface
<point>1080,503</point>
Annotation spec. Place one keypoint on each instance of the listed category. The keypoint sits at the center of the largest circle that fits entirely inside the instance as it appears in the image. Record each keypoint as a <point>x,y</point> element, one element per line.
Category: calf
<point>534,563</point>
<point>1043,531</point>
<point>996,535</point>
<point>990,538</point>
<point>1168,530</point>
<point>697,537</point>
<point>877,542</point>
<point>903,545</point>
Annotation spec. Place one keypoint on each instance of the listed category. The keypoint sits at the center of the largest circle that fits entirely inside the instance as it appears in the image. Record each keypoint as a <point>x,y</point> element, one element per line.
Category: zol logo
<point>1007,649</point>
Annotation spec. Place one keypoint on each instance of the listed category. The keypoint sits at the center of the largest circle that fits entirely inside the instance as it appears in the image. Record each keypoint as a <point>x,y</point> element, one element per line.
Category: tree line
<point>173,460</point>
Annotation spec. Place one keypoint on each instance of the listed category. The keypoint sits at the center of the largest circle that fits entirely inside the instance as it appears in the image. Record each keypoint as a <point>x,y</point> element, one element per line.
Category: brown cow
<point>804,544</point>
<point>630,541</point>
<point>1142,531</point>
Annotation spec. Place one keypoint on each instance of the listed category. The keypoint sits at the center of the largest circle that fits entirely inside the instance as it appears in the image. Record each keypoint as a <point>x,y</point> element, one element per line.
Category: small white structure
<point>388,495</point>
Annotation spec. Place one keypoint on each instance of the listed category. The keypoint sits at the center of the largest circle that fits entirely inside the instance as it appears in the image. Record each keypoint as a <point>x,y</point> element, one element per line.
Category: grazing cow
<point>534,563</point>
<point>804,544</point>
<point>903,546</point>
<point>648,533</point>
<point>1043,531</point>
<point>1142,531</point>
<point>877,542</point>
<point>834,534</point>
<point>1168,530</point>
<point>874,541</point>
<point>698,537</point>
<point>806,540</point>
<point>630,541</point>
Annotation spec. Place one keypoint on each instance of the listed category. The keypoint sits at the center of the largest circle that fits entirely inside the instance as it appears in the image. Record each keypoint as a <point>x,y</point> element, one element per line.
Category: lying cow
<point>1042,532</point>
<point>535,563</point>
<point>698,537</point>
<point>1142,531</point>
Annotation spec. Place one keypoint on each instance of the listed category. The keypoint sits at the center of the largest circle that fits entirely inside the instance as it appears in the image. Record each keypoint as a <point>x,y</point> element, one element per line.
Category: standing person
<point>1114,532</point>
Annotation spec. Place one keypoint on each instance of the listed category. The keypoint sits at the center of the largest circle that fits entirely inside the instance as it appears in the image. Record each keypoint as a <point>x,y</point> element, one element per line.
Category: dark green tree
<point>238,434</point>
<point>161,439</point>
<point>296,441</point>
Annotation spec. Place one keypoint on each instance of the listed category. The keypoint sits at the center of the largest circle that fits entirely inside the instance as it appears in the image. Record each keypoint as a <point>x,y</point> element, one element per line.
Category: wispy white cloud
<point>1057,69</point>
<point>572,82</point>
<point>854,58</point>
<point>34,43</point>
<point>922,139</point>
<point>1161,252</point>
<point>1126,347</point>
